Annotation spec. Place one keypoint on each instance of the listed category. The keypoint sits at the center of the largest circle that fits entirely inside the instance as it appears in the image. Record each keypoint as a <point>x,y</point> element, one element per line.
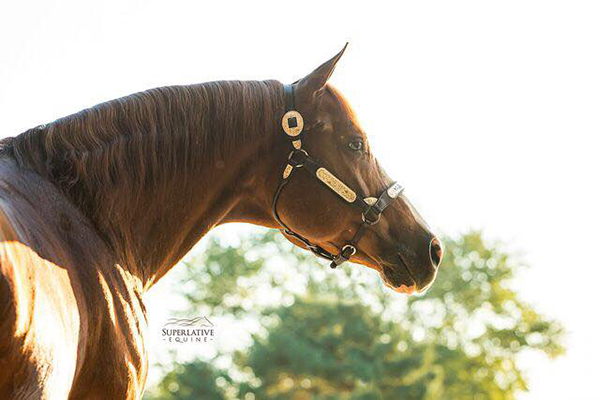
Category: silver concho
<point>292,123</point>
<point>395,190</point>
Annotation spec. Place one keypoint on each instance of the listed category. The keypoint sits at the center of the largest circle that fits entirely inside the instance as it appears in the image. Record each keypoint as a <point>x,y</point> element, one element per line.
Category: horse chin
<point>402,288</point>
<point>398,278</point>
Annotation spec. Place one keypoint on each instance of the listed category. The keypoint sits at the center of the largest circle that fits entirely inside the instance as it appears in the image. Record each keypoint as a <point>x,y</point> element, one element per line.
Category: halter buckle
<point>352,249</point>
<point>342,257</point>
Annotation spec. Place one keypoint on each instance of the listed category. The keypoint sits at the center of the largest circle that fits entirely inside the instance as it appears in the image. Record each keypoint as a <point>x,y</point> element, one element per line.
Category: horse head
<point>340,203</point>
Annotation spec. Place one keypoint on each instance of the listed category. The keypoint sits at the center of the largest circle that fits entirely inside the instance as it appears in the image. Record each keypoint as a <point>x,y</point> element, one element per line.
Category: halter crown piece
<point>371,208</point>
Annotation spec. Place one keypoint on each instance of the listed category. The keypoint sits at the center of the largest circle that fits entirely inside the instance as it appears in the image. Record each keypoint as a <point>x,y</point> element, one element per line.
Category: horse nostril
<point>435,252</point>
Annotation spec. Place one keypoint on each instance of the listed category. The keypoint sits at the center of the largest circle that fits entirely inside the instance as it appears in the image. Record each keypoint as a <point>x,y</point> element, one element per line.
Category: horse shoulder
<point>40,321</point>
<point>64,297</point>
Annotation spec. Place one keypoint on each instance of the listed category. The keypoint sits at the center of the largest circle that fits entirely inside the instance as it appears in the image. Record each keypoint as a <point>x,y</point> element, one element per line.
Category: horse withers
<point>97,206</point>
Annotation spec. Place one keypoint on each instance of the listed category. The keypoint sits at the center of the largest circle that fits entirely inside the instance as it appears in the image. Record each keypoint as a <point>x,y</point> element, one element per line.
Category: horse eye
<point>356,145</point>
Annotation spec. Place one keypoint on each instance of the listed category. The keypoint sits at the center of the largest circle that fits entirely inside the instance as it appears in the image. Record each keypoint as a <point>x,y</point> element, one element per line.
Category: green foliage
<point>191,381</point>
<point>342,335</point>
<point>214,276</point>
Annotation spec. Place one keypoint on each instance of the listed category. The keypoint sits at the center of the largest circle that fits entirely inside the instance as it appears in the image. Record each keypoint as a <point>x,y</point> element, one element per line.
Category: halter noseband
<point>371,208</point>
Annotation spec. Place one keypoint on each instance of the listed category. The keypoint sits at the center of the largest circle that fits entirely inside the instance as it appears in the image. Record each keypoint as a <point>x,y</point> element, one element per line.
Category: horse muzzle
<point>406,272</point>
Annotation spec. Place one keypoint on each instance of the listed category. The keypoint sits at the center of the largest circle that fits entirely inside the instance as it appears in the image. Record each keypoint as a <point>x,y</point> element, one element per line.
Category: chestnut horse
<point>97,206</point>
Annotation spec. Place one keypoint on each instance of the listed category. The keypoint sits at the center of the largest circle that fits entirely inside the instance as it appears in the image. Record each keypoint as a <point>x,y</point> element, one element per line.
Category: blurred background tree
<point>191,381</point>
<point>326,334</point>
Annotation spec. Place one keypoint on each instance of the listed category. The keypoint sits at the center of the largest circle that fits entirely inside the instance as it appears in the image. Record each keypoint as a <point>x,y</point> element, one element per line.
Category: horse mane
<point>120,148</point>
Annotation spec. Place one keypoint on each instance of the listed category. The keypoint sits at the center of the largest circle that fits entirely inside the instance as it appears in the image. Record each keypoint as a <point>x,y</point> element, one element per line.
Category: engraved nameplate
<point>336,185</point>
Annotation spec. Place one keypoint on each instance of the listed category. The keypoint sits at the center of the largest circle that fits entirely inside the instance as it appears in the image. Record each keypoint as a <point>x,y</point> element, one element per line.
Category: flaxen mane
<point>144,139</point>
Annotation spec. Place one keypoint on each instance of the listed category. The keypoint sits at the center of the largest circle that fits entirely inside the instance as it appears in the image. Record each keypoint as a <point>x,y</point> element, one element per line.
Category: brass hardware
<point>287,171</point>
<point>336,185</point>
<point>292,123</point>
<point>297,144</point>
<point>370,200</point>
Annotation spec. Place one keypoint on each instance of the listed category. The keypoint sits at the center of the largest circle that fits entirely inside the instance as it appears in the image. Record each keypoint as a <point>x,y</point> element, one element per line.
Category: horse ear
<point>314,82</point>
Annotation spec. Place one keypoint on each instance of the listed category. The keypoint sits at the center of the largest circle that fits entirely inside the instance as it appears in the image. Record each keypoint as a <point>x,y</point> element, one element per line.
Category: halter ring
<point>369,222</point>
<point>294,152</point>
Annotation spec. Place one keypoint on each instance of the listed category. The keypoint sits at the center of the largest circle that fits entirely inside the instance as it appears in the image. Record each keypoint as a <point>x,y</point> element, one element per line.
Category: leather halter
<point>371,208</point>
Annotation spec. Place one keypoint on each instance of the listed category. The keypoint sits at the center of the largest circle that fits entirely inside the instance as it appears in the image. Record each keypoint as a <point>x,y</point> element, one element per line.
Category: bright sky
<point>488,112</point>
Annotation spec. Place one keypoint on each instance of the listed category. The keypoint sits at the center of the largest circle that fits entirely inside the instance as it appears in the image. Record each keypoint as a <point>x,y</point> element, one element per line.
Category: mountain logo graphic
<point>201,322</point>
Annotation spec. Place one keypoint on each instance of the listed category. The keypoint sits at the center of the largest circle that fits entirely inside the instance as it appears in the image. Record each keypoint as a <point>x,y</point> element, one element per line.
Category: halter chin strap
<point>371,208</point>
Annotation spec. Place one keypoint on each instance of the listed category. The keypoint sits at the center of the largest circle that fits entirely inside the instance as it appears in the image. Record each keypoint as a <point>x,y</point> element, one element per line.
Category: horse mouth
<point>399,278</point>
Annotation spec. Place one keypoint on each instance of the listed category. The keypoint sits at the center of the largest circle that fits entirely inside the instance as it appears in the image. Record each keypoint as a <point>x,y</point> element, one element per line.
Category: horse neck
<point>156,171</point>
<point>164,228</point>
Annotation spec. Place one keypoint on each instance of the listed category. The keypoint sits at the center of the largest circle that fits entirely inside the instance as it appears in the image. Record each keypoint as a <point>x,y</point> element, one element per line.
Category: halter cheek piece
<point>371,208</point>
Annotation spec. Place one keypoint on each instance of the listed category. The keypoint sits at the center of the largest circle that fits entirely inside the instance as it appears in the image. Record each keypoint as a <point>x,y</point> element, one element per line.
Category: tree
<point>191,381</point>
<point>344,336</point>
